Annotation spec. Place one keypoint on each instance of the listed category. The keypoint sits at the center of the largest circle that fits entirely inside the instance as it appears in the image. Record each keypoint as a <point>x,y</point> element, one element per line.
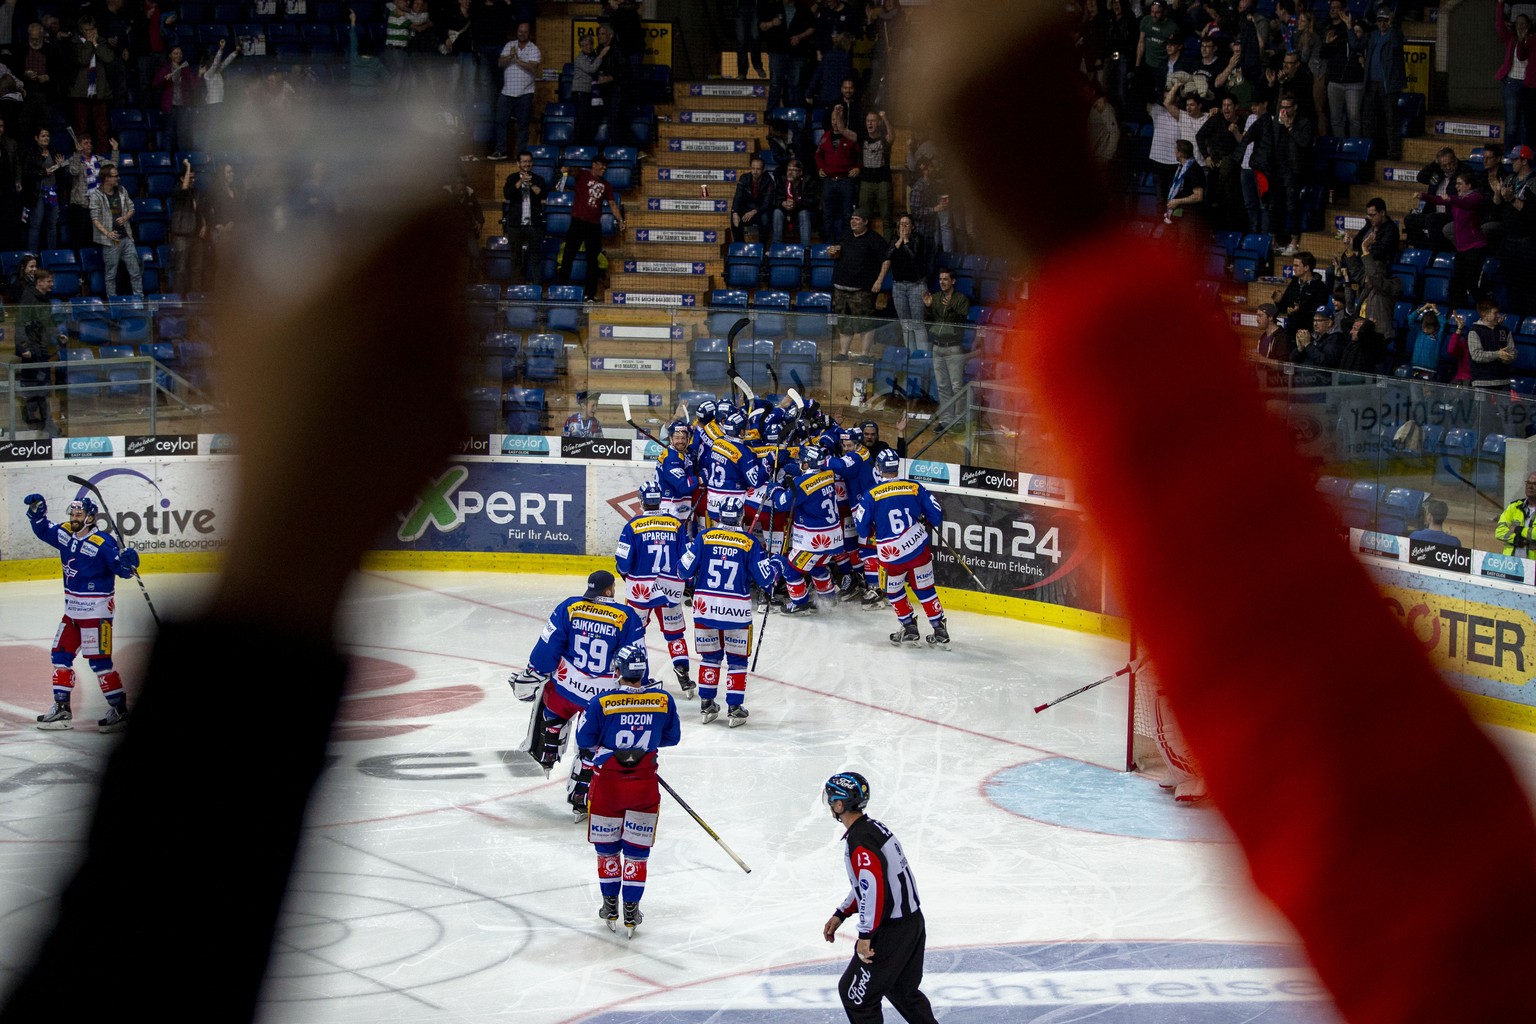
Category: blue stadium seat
<point>753,359</point>
<point>522,311</point>
<point>524,410</point>
<point>727,307</point>
<point>707,366</point>
<point>811,310</point>
<point>623,164</point>
<point>1359,505</point>
<point>772,314</point>
<point>1455,450</point>
<point>1401,510</point>
<point>891,371</point>
<point>743,264</point>
<point>557,213</point>
<point>821,266</point>
<point>564,310</point>
<point>786,265</point>
<point>559,124</point>
<point>543,360</point>
<point>578,156</point>
<point>799,364</point>
<point>496,259</point>
<point>1488,469</point>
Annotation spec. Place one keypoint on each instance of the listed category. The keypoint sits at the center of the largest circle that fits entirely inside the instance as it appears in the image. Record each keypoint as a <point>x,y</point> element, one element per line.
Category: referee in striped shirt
<point>888,958</point>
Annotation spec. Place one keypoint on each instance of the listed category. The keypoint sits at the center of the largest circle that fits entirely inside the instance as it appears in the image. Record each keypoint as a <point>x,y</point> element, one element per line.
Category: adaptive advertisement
<point>497,507</point>
<point>616,448</point>
<point>1016,549</point>
<point>1483,635</point>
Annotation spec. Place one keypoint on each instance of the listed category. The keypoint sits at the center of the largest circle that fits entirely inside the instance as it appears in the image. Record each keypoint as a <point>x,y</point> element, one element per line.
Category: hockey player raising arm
<point>624,729</point>
<point>572,662</point>
<point>92,562</point>
<point>724,563</point>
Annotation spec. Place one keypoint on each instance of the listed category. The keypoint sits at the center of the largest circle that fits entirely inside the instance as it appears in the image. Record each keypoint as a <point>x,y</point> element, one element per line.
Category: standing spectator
<point>367,73</point>
<point>1274,343</point>
<point>1426,227</point>
<point>1292,163</point>
<point>1163,153</point>
<point>623,732</point>
<point>1492,349</point>
<point>40,62</point>
<point>188,231</point>
<point>397,42</point>
<point>773,35</point>
<point>458,45</point>
<point>1252,41</point>
<point>1366,267</point>
<point>37,341</point>
<point>1295,78</point>
<point>1435,512</point>
<point>112,217</point>
<point>1151,50</point>
<point>222,209</point>
<point>84,170</point>
<point>1103,127</point>
<point>857,278</point>
<point>583,422</point>
<point>1218,143</point>
<point>1426,349</point>
<point>792,202</point>
<point>519,62</point>
<point>1184,202</point>
<point>586,231</point>
<point>752,205</point>
<point>837,165</point>
<point>949,313</point>
<point>24,278</point>
<point>41,185</point>
<point>522,218</point>
<point>617,83</point>
<point>888,956</point>
<point>888,23</point>
<point>835,18</point>
<point>875,167</point>
<point>623,16</point>
<point>833,78</point>
<point>1309,49</point>
<point>211,71</point>
<point>1468,208</point>
<point>584,70</point>
<point>747,39</point>
<point>92,90</point>
<point>174,82</point>
<point>1344,55</point>
<point>1517,76</point>
<point>931,208</point>
<point>1307,289</point>
<point>1515,199</point>
<point>1260,138</point>
<point>909,282</point>
<point>1123,38</point>
<point>1386,76</point>
<point>493,25</point>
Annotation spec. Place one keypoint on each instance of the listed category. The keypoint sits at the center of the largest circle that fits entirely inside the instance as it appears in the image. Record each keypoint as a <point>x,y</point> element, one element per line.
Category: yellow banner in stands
<point>1419,58</point>
<point>658,38</point>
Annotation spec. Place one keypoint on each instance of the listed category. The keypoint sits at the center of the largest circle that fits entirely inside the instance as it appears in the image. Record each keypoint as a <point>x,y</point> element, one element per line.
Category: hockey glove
<point>128,563</point>
<point>527,683</point>
<point>37,506</point>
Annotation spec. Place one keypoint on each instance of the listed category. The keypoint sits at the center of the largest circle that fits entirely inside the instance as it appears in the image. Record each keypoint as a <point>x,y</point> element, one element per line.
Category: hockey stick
<point>703,824</point>
<point>794,396</point>
<point>118,537</point>
<point>1445,464</point>
<point>730,357</point>
<point>956,555</point>
<point>1082,689</point>
<point>624,401</point>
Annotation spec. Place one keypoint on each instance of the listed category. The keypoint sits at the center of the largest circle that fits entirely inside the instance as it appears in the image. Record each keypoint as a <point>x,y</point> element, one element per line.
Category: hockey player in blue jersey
<point>677,474</point>
<point>730,469</point>
<point>815,529</point>
<point>571,663</point>
<point>895,516</point>
<point>624,729</point>
<point>649,551</point>
<point>855,469</point>
<point>91,561</point>
<point>724,563</point>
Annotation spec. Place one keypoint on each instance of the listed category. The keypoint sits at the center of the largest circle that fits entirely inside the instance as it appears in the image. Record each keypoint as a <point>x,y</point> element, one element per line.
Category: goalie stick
<point>112,528</point>
<point>624,401</point>
<point>1082,689</point>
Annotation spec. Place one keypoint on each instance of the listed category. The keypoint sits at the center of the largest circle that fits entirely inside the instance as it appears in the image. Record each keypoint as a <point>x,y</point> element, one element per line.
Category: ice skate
<point>939,638</point>
<point>799,607</point>
<point>736,716</point>
<point>56,717</point>
<point>116,720</point>
<point>872,598</point>
<point>632,917</point>
<point>709,710</point>
<point>690,688</point>
<point>907,634</point>
<point>609,912</point>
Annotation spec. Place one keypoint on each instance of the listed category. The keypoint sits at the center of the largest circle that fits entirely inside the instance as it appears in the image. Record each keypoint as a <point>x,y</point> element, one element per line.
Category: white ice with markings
<point>442,879</point>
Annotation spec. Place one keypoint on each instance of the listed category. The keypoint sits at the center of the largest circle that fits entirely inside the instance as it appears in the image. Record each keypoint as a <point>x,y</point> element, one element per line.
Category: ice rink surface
<point>442,878</point>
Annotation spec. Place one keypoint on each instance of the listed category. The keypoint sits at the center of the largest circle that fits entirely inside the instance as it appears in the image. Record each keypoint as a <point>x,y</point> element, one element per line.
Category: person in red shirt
<point>837,164</point>
<point>586,232</point>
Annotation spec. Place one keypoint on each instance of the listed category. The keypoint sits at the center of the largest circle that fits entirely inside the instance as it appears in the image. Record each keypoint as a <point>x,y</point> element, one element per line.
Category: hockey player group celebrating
<point>750,507</point>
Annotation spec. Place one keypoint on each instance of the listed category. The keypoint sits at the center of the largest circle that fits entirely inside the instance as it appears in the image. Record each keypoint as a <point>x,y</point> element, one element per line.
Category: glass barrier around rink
<point>131,367</point>
<point>538,365</point>
<point>1387,448</point>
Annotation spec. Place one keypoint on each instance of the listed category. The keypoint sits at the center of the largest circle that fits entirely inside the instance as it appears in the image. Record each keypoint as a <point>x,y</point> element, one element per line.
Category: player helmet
<point>630,662</point>
<point>853,435</point>
<point>733,423</point>
<point>887,462</point>
<point>85,505</point>
<point>707,410</point>
<point>731,511</point>
<point>813,455</point>
<point>676,427</point>
<point>650,495</point>
<point>849,787</point>
<point>774,427</point>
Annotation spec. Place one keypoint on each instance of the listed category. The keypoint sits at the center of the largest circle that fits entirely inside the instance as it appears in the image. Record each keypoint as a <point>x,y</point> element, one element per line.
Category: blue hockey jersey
<point>723,564</point>
<point>91,567</point>
<point>649,556</point>
<point>579,641</point>
<point>896,516</point>
<point>817,525</point>
<point>639,721</point>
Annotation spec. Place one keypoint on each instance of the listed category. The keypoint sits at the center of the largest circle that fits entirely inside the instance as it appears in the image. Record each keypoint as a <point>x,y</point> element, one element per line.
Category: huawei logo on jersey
<point>821,540</point>
<point>889,551</point>
<point>699,606</point>
<point>639,590</point>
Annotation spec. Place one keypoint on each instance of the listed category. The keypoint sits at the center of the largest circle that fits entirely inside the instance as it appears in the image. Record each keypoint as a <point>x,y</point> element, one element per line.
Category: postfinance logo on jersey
<point>619,703</point>
<point>596,612</point>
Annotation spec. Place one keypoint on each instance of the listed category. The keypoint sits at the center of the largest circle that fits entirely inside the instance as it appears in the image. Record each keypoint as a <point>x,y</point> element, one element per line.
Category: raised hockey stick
<point>703,824</point>
<point>1082,689</point>
<point>730,358</point>
<point>794,396</point>
<point>624,401</point>
<point>974,578</point>
<point>113,530</point>
<point>1445,464</point>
